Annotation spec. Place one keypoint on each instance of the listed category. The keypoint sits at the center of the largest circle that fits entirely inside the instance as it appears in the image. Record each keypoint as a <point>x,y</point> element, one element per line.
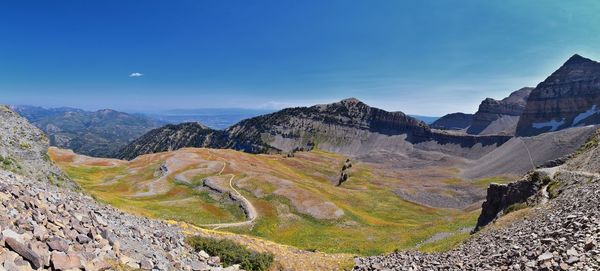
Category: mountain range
<point>98,133</point>
<point>492,117</point>
<point>349,127</point>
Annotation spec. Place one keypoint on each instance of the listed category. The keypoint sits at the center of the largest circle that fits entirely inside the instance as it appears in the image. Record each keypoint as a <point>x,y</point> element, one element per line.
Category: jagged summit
<point>348,103</point>
<point>569,97</point>
<point>575,68</point>
<point>351,101</point>
<point>577,59</point>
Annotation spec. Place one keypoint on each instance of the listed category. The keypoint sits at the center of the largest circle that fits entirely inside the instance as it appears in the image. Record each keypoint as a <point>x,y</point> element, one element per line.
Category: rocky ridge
<point>44,227</point>
<point>349,127</point>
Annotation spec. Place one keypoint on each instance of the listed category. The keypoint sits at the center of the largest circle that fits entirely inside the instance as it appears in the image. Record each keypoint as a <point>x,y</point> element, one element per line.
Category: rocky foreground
<point>561,234</point>
<point>44,227</point>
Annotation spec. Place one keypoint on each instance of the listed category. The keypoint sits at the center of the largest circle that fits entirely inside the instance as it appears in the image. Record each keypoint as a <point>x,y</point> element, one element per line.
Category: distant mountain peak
<point>577,59</point>
<point>566,98</point>
<point>349,102</point>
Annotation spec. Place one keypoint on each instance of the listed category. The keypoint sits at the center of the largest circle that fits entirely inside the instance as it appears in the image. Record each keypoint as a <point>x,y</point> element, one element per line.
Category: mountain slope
<point>546,221</point>
<point>98,133</point>
<point>499,117</point>
<point>173,137</point>
<point>521,154</point>
<point>453,121</point>
<point>24,148</point>
<point>569,97</point>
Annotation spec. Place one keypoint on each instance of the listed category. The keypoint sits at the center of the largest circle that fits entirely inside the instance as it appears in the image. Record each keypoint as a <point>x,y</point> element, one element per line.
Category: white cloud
<point>135,74</point>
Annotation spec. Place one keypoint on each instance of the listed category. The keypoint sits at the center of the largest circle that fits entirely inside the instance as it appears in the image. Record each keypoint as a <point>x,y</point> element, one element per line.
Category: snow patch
<point>585,115</point>
<point>553,124</point>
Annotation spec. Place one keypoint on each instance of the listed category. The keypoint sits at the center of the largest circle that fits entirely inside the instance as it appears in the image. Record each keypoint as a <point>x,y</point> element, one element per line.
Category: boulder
<point>36,260</point>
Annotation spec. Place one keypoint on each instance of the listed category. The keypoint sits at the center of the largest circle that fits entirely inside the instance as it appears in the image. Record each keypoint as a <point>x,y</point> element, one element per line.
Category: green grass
<point>375,220</point>
<point>179,203</point>
<point>445,244</point>
<point>231,253</point>
<point>378,226</point>
<point>592,142</point>
<point>10,164</point>
<point>553,188</point>
<point>515,207</point>
<point>485,182</point>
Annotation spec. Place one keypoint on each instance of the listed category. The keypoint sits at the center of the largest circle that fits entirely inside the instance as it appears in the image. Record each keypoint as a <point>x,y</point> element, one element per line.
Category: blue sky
<point>420,57</point>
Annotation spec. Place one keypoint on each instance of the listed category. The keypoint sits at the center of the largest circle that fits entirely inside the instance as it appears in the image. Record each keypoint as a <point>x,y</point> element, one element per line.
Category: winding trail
<point>247,206</point>
<point>552,171</point>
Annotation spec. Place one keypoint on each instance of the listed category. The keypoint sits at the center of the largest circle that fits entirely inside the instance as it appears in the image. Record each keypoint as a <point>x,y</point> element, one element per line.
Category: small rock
<point>589,244</point>
<point>572,252</point>
<point>8,233</point>
<point>82,239</point>
<point>62,261</point>
<point>200,266</point>
<point>39,232</point>
<point>572,260</point>
<point>56,243</point>
<point>146,264</point>
<point>203,254</point>
<point>531,264</point>
<point>215,260</point>
<point>544,257</point>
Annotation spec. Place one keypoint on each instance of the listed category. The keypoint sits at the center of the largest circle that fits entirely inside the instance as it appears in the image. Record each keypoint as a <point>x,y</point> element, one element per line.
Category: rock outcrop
<point>344,172</point>
<point>500,197</point>
<point>24,149</point>
<point>569,97</point>
<point>453,121</point>
<point>499,116</point>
